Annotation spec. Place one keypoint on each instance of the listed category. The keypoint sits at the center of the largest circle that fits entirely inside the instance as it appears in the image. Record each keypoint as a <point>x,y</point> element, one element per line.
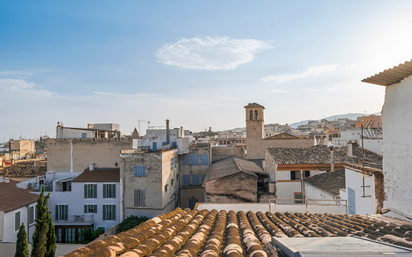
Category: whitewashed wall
<point>397,144</point>
<point>354,180</point>
<point>312,192</point>
<point>10,235</point>
<point>374,145</point>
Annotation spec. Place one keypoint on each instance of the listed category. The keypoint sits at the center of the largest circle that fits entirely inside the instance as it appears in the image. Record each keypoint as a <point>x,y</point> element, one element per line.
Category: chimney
<point>6,180</point>
<point>352,149</point>
<point>167,132</point>
<point>182,132</point>
<point>1,179</point>
<point>210,129</point>
<point>91,166</point>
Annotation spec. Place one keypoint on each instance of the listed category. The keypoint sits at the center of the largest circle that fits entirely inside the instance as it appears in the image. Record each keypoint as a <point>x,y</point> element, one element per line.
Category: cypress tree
<point>41,223</point>
<point>41,249</point>
<point>51,239</point>
<point>22,246</point>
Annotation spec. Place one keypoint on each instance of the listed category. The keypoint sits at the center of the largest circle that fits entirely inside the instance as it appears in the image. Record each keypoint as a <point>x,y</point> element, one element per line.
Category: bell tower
<point>254,127</point>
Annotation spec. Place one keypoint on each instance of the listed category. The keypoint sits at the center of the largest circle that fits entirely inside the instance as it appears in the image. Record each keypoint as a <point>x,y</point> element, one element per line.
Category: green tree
<point>40,233</point>
<point>22,246</point>
<point>51,239</point>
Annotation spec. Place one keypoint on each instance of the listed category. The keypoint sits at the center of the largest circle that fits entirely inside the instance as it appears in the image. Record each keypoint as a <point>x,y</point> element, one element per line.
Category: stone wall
<point>79,152</point>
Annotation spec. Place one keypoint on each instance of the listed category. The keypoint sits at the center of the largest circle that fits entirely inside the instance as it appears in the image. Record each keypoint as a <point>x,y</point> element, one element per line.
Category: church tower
<point>254,127</point>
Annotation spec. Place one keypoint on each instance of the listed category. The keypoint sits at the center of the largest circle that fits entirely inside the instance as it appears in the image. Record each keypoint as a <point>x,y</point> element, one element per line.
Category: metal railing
<point>308,202</point>
<point>84,218</point>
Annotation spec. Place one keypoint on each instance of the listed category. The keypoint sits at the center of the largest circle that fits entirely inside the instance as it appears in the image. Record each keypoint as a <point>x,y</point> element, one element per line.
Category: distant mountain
<point>352,116</point>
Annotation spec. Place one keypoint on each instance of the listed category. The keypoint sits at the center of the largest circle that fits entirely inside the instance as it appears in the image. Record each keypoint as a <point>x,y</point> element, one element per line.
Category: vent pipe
<point>182,132</point>
<point>91,166</point>
<point>167,132</point>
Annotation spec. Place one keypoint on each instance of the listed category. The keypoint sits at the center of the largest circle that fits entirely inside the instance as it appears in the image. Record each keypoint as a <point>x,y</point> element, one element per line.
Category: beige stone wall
<point>223,152</point>
<point>190,192</point>
<point>158,175</point>
<point>237,188</point>
<point>102,152</point>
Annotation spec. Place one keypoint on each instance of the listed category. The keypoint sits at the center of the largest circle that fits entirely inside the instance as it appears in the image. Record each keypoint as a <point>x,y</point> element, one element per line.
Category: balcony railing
<point>79,219</point>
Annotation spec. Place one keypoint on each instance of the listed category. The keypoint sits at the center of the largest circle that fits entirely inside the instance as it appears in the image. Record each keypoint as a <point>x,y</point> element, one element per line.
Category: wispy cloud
<point>115,95</point>
<point>210,53</point>
<point>278,91</point>
<point>23,87</point>
<point>322,89</point>
<point>234,99</point>
<point>311,71</point>
<point>21,73</point>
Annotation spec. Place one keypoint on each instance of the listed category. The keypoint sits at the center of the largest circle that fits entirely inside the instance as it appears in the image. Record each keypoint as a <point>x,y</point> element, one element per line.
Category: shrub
<point>131,222</point>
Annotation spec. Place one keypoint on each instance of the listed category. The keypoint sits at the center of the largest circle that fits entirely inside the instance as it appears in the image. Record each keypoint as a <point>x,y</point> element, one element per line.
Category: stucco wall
<point>397,142</point>
<point>374,145</point>
<point>354,180</point>
<point>191,192</point>
<point>236,188</point>
<point>103,152</point>
<point>10,235</point>
<point>76,202</point>
<point>312,192</point>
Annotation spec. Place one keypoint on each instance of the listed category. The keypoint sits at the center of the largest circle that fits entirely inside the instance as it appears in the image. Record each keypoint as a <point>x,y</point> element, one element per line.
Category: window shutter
<point>104,191</point>
<point>307,173</point>
<point>143,197</point>
<point>292,175</point>
<point>114,191</point>
<point>85,191</point>
<point>136,197</point>
<point>85,209</point>
<point>94,191</point>
<point>104,212</point>
<point>203,178</point>
<point>56,213</point>
<point>114,212</point>
<point>195,179</point>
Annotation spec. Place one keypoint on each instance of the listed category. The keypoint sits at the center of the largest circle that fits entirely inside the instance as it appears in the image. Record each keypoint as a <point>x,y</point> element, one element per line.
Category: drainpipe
<point>167,132</point>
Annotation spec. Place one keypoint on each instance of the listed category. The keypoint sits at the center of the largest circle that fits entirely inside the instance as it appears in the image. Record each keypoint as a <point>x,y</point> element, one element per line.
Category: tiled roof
<point>230,166</point>
<point>12,197</point>
<point>391,76</point>
<point>99,175</point>
<point>330,182</point>
<point>254,105</point>
<point>321,154</point>
<point>203,233</point>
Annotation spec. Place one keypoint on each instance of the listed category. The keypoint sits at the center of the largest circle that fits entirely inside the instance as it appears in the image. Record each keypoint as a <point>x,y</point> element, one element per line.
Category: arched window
<point>256,115</point>
<point>251,115</point>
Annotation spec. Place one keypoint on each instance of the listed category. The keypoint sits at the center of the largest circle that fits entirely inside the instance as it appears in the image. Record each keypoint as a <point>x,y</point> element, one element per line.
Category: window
<point>186,159</point>
<point>171,163</point>
<point>175,161</point>
<point>186,180</point>
<point>109,212</point>
<point>192,203</point>
<point>140,171</point>
<point>104,228</point>
<point>297,195</point>
<point>84,135</point>
<point>203,178</point>
<point>31,214</point>
<point>256,114</point>
<point>195,159</point>
<point>90,209</point>
<point>61,212</point>
<point>109,191</point>
<point>295,174</point>
<point>195,179</point>
<point>251,115</point>
<point>17,220</point>
<point>140,197</point>
<point>205,159</point>
<point>90,191</point>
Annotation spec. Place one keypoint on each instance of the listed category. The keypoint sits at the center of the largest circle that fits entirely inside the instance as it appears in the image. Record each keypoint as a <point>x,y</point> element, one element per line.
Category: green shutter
<point>85,191</point>
<point>85,209</point>
<point>104,212</point>
<point>56,214</point>
<point>114,191</point>
<point>104,191</point>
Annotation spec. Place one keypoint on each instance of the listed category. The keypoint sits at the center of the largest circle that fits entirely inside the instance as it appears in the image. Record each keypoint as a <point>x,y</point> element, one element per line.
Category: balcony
<point>84,219</point>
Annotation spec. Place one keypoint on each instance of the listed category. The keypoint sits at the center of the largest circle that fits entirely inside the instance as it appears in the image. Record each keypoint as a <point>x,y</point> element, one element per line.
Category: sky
<point>196,63</point>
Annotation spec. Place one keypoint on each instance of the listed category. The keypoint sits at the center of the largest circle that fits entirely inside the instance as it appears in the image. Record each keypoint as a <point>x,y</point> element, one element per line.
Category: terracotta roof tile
<point>254,105</point>
<point>230,166</point>
<point>204,233</point>
<point>13,197</point>
<point>99,175</point>
<point>321,154</point>
<point>330,182</point>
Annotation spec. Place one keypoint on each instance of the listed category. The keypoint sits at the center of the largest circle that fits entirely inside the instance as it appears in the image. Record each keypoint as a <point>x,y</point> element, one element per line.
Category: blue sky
<point>196,63</point>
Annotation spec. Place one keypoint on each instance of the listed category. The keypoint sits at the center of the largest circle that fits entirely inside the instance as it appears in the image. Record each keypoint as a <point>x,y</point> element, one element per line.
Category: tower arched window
<point>256,114</point>
<point>251,115</point>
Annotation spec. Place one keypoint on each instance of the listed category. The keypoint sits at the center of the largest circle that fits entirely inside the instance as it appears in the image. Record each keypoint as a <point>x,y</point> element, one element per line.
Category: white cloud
<point>326,89</point>
<point>330,89</point>
<point>279,91</point>
<point>311,71</point>
<point>210,53</point>
<point>234,99</point>
<point>23,87</point>
<point>137,95</point>
<point>21,73</point>
<point>312,89</point>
